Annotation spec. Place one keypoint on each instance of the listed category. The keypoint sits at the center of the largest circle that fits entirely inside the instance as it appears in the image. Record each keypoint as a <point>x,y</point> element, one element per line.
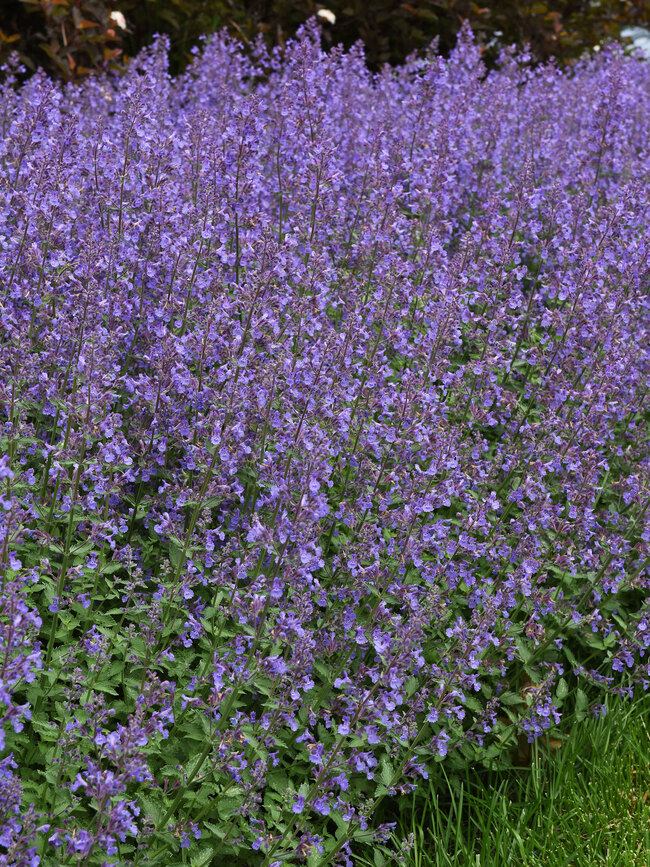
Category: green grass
<point>585,803</point>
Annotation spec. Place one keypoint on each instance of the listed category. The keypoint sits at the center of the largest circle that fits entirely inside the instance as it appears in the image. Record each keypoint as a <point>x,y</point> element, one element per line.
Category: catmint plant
<point>325,452</point>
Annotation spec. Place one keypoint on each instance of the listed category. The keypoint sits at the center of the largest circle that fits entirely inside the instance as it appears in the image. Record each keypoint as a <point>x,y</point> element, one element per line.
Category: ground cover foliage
<point>325,443</point>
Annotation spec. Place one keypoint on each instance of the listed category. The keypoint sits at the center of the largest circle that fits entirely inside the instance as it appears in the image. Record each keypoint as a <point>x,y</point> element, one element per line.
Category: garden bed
<point>325,440</point>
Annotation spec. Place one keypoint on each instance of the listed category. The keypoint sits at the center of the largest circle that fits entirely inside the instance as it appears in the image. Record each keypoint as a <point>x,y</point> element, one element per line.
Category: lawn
<point>582,801</point>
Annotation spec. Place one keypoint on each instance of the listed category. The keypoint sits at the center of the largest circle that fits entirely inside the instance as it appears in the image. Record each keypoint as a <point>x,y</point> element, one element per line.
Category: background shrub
<point>71,37</point>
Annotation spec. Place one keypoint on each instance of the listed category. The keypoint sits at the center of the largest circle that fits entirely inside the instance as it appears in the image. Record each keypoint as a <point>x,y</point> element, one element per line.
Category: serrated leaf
<point>411,686</point>
<point>206,793</point>
<point>581,699</point>
<point>175,553</point>
<point>322,669</point>
<point>562,689</point>
<point>511,698</point>
<point>387,771</point>
<point>272,801</point>
<point>46,731</point>
<point>487,690</point>
<point>491,752</point>
<point>473,703</point>
<point>151,807</point>
<point>202,857</point>
<point>581,705</point>
<point>570,656</point>
<point>278,781</point>
<point>341,823</point>
<point>196,763</point>
<point>229,802</point>
<point>525,653</point>
<point>195,732</point>
<point>52,774</point>
<point>82,548</point>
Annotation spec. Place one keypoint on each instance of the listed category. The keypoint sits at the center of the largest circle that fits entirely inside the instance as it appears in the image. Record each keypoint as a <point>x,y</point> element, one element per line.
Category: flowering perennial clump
<point>325,451</point>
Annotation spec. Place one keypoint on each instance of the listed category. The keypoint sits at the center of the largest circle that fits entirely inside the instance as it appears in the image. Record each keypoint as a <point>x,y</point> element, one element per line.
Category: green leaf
<point>278,781</point>
<point>570,656</point>
<point>196,763</point>
<point>151,807</point>
<point>207,793</point>
<point>109,568</point>
<point>473,703</point>
<point>411,686</point>
<point>581,699</point>
<point>341,823</point>
<point>52,774</point>
<point>202,857</point>
<point>105,686</point>
<point>525,653</point>
<point>170,771</point>
<point>562,689</point>
<point>175,551</point>
<point>491,752</point>
<point>195,732</point>
<point>227,804</point>
<point>46,731</point>
<point>582,703</point>
<point>387,771</point>
<point>82,548</point>
<point>323,669</point>
<point>511,698</point>
<point>610,640</point>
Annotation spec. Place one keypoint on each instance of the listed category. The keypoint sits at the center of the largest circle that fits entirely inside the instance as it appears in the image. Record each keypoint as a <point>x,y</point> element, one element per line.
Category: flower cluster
<point>325,437</point>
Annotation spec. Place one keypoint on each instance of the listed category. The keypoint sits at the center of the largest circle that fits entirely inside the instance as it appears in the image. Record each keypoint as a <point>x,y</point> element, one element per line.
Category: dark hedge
<point>70,38</point>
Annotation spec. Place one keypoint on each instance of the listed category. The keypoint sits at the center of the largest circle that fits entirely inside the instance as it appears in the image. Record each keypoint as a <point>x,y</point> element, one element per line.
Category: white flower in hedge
<point>118,19</point>
<point>326,15</point>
